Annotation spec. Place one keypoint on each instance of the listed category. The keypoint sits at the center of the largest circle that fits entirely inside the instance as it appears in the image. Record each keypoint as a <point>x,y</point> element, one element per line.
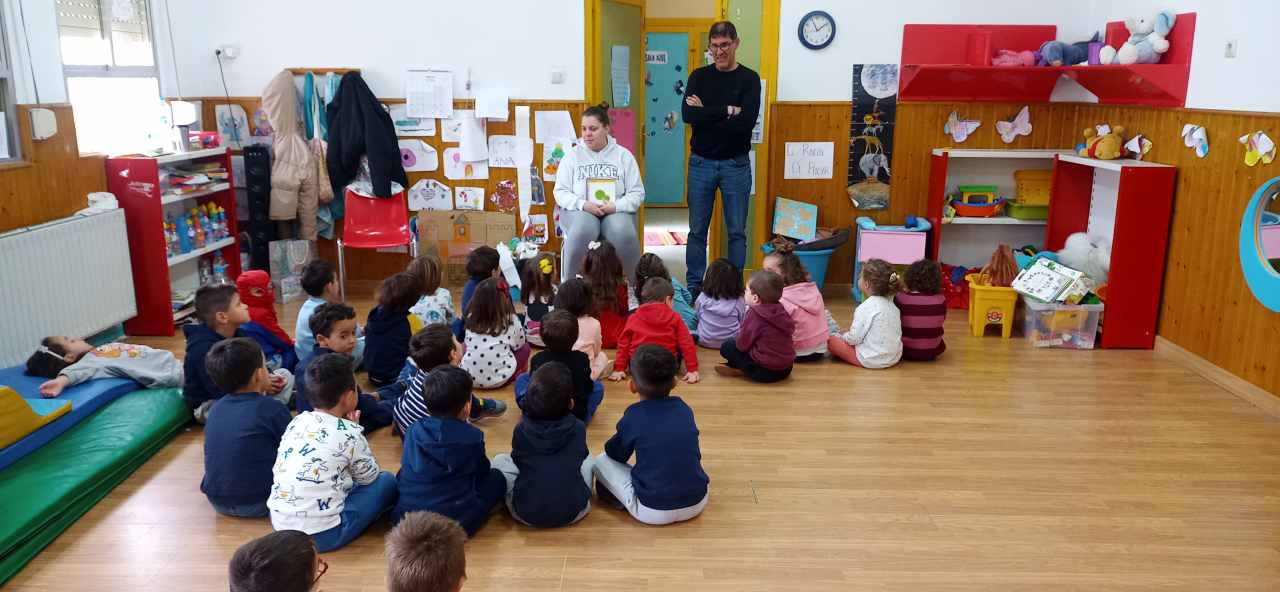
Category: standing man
<point>721,102</point>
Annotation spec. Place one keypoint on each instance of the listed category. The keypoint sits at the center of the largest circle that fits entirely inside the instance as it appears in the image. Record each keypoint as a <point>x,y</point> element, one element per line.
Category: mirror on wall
<point>1260,244</point>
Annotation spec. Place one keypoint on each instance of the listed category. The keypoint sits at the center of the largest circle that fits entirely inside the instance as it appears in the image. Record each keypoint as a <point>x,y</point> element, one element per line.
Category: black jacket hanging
<point>358,125</point>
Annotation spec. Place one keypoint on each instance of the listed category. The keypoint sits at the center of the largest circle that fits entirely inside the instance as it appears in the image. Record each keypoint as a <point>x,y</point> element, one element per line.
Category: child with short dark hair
<point>387,331</point>
<point>482,263</point>
<point>220,312</point>
<point>923,309</point>
<point>651,266</point>
<point>444,467</point>
<point>548,455</point>
<point>574,296</point>
<point>426,552</point>
<point>495,345</point>
<point>560,331</point>
<point>656,323</point>
<point>763,350</point>
<point>667,483</point>
<point>803,301</point>
<point>242,432</point>
<point>67,362</point>
<point>720,305</point>
<point>254,287</point>
<point>283,561</point>
<point>435,305</point>
<point>874,340</point>
<point>537,291</point>
<point>320,282</point>
<point>602,270</point>
<point>327,481</point>
<point>334,326</point>
<point>432,347</point>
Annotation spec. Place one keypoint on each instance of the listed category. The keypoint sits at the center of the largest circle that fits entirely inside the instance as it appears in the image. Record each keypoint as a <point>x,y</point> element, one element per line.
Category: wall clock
<point>817,30</point>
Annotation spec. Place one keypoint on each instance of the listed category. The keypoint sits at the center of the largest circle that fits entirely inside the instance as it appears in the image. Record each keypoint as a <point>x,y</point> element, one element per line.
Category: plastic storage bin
<point>1033,186</point>
<point>1070,326</point>
<point>1025,211</point>
<point>815,262</point>
<point>990,305</point>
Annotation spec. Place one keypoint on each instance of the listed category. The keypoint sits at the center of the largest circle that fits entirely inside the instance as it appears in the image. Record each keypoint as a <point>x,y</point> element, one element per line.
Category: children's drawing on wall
<point>505,196</point>
<point>535,229</point>
<point>537,191</point>
<point>875,93</point>
<point>233,125</point>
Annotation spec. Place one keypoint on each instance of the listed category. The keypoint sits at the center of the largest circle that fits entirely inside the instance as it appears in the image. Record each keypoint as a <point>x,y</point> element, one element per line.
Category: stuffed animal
<point>1109,146</point>
<point>1061,53</point>
<point>1146,41</point>
<point>1008,57</point>
<point>1088,253</point>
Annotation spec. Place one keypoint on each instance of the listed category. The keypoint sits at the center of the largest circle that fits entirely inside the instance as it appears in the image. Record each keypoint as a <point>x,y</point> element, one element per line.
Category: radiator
<point>66,277</point>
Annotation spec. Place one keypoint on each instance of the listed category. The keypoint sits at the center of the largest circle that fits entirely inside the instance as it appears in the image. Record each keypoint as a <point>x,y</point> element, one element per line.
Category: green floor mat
<point>47,491</point>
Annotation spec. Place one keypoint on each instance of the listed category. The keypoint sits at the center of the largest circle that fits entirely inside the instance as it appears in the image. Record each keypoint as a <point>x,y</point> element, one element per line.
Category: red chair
<point>373,223</point>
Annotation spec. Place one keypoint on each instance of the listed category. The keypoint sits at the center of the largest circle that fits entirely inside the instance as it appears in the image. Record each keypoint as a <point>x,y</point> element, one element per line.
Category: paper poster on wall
<point>620,72</point>
<point>428,93</point>
<point>875,102</point>
<point>752,155</point>
<point>537,190</point>
<point>535,228</point>
<point>552,154</point>
<point>491,102</point>
<point>808,160</point>
<point>430,194</point>
<point>550,126</point>
<point>418,156</point>
<point>757,132</point>
<point>410,126</point>
<point>457,169</point>
<point>472,139</point>
<point>623,126</point>
<point>468,198</point>
<point>510,152</point>
<point>524,189</point>
<point>451,128</point>
<point>233,125</point>
<point>504,196</point>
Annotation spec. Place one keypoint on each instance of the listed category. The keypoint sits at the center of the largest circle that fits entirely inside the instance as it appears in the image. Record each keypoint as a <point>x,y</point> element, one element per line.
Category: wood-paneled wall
<point>368,266</point>
<point>53,179</point>
<point>1206,307</point>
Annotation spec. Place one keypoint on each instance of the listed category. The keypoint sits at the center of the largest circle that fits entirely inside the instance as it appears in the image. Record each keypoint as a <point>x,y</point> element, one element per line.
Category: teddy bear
<point>1109,146</point>
<point>1146,42</point>
<point>1061,53</point>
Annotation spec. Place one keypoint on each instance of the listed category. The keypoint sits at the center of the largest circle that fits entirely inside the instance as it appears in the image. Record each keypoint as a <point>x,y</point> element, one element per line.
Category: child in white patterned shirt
<point>327,482</point>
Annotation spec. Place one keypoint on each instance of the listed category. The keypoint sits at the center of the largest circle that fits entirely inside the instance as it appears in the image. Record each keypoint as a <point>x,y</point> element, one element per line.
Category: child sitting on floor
<point>537,291</point>
<point>874,339</point>
<point>656,323</point>
<point>68,362</point>
<point>667,483</point>
<point>602,270</point>
<point>923,310</point>
<point>243,431</point>
<point>327,481</point>
<point>220,312</point>
<point>495,346</point>
<point>560,330</point>
<point>320,282</point>
<point>548,472</point>
<point>574,296</point>
<point>426,552</point>
<point>444,467</point>
<point>334,326</point>
<point>483,262</point>
<point>255,290</point>
<point>803,302</point>
<point>762,351</point>
<point>435,305</point>
<point>720,306</point>
<point>651,266</point>
<point>432,347</point>
<point>387,332</point>
<point>284,561</point>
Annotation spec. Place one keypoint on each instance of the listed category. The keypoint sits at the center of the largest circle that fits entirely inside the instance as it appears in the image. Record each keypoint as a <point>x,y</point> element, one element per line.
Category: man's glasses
<point>721,47</point>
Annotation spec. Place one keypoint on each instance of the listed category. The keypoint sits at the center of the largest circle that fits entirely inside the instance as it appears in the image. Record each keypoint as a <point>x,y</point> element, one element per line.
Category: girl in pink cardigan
<point>803,301</point>
<point>575,296</point>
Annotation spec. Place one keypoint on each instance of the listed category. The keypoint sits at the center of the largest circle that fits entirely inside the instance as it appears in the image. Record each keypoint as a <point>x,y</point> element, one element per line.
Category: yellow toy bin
<point>1069,326</point>
<point>990,305</point>
<point>1033,186</point>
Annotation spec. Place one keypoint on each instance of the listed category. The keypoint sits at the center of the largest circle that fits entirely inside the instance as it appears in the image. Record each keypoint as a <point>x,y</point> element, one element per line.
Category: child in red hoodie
<point>657,323</point>
<point>255,291</point>
<point>763,351</point>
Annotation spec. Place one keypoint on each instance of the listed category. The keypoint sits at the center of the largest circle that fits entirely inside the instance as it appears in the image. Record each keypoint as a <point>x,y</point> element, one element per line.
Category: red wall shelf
<point>953,63</point>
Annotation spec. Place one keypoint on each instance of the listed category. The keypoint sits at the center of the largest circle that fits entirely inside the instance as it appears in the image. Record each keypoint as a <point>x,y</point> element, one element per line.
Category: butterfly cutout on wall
<point>1258,147</point>
<point>1195,137</point>
<point>1138,146</point>
<point>959,129</point>
<point>1020,125</point>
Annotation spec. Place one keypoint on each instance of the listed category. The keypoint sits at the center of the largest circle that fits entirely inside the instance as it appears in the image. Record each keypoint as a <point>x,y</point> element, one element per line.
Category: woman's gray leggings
<point>581,228</point>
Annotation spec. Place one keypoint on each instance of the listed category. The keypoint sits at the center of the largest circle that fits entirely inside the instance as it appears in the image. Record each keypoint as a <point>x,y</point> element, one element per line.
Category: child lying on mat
<point>69,362</point>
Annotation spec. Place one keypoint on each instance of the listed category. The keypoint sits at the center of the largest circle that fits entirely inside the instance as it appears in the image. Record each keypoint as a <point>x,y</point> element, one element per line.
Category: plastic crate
<point>1033,186</point>
<point>1069,326</point>
<point>1023,211</point>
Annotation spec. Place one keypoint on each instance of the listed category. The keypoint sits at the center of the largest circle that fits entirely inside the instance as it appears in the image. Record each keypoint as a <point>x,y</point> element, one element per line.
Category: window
<point>10,144</point>
<point>112,81</point>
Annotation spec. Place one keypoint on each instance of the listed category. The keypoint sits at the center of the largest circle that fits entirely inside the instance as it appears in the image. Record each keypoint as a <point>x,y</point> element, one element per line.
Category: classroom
<point>639,295</point>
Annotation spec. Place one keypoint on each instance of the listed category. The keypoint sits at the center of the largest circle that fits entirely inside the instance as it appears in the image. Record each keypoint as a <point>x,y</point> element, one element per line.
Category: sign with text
<point>809,160</point>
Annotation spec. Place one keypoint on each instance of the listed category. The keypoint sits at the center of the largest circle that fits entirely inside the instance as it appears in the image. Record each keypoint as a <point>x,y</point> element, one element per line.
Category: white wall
<point>514,42</point>
<point>41,35</point>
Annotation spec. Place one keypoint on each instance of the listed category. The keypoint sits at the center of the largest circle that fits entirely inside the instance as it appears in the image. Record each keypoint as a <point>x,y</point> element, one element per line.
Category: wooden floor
<point>1000,467</point>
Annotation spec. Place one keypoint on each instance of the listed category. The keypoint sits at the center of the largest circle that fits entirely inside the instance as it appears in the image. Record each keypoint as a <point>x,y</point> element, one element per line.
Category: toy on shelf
<point>1061,53</point>
<point>1091,254</point>
<point>1147,41</point>
<point>1103,145</point>
<point>977,201</point>
<point>1008,57</point>
<point>220,269</point>
<point>185,235</point>
<point>1032,186</point>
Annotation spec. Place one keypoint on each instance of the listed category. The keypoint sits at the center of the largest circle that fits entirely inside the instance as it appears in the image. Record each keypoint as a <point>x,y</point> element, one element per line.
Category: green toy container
<point>1027,211</point>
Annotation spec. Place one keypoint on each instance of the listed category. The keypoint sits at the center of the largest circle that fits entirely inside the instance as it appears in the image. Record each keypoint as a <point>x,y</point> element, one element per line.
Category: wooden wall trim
<point>1253,394</point>
<point>53,178</point>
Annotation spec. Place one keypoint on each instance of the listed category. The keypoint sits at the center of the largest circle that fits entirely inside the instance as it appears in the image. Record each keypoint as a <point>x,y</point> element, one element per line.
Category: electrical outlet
<point>228,52</point>
<point>1231,48</point>
<point>557,76</point>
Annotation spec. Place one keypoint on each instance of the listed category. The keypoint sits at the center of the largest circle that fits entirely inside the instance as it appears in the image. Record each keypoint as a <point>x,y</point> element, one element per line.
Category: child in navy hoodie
<point>444,468</point>
<point>548,472</point>
<point>560,333</point>
<point>667,483</point>
<point>220,313</point>
<point>334,328</point>
<point>763,350</point>
<point>386,340</point>
<point>243,430</point>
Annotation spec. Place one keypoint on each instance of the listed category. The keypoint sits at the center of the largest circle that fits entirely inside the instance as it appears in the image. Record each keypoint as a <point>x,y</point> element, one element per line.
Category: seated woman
<point>598,188</point>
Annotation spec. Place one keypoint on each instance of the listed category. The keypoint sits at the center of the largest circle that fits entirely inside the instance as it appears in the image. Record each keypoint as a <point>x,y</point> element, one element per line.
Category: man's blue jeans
<point>733,178</point>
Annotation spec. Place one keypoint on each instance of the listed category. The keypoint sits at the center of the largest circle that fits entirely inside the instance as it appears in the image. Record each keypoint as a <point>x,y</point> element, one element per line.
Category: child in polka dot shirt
<point>496,349</point>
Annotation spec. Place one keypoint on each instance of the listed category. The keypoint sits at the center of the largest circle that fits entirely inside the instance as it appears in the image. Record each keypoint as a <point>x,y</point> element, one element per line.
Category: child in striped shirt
<point>923,308</point>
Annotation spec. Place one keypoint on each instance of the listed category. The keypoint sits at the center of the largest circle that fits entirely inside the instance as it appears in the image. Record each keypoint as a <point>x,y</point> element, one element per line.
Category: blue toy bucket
<point>815,262</point>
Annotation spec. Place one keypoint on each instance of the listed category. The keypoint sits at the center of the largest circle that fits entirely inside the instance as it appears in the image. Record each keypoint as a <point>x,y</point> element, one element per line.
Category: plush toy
<point>1088,253</point>
<point>1146,41</point>
<point>1109,146</point>
<point>1060,53</point>
<point>1008,57</point>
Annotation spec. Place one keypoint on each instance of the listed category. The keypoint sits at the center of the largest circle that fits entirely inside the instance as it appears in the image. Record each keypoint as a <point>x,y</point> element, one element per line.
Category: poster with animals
<point>875,101</point>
